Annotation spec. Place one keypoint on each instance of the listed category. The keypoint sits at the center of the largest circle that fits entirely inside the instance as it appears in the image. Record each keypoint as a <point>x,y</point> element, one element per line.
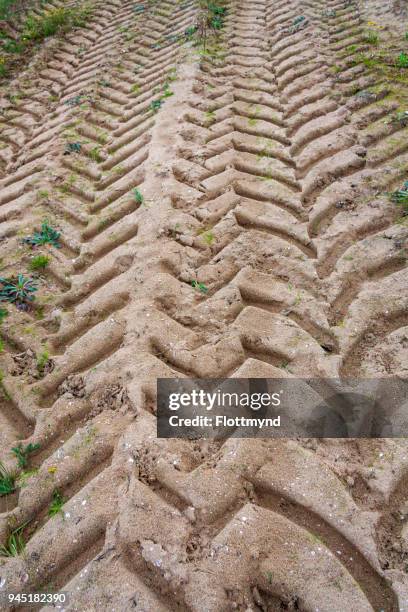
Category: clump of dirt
<point>198,546</point>
<point>112,397</point>
<point>145,461</point>
<point>73,386</point>
<point>269,603</point>
<point>27,364</point>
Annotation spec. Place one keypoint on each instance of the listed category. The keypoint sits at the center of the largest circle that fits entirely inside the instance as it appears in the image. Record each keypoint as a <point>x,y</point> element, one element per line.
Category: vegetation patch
<point>15,544</point>
<point>389,64</point>
<point>23,453</point>
<point>208,237</point>
<point>47,235</point>
<point>200,286</point>
<point>7,481</point>
<point>155,105</point>
<point>209,22</point>
<point>3,314</point>
<point>95,154</point>
<point>56,504</point>
<point>371,37</point>
<point>5,8</point>
<point>72,147</point>
<point>400,197</point>
<point>402,60</point>
<point>18,290</point>
<point>36,28</point>
<point>55,20</point>
<point>42,361</point>
<point>39,263</point>
<point>138,196</point>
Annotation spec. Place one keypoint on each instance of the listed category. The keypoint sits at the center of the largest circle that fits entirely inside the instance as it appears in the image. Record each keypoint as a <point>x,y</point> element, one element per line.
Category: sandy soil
<point>265,176</point>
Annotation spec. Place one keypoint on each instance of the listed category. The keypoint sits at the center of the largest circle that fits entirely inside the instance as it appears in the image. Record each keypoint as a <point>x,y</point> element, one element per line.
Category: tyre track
<point>32,505</point>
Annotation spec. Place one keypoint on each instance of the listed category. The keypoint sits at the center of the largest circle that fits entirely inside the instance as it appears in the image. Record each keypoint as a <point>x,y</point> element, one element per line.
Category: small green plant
<point>167,92</point>
<point>7,481</point>
<point>402,60</point>
<point>189,32</point>
<point>72,147</point>
<point>155,105</point>
<point>200,286</point>
<point>23,453</point>
<point>39,262</point>
<point>24,477</point>
<point>208,237</point>
<point>217,14</point>
<point>371,37</point>
<point>42,361</point>
<point>3,314</point>
<point>95,154</point>
<point>210,115</point>
<point>138,196</point>
<point>400,118</point>
<point>47,235</point>
<point>301,21</point>
<point>210,21</point>
<point>15,544</point>
<point>18,291</point>
<point>400,197</point>
<point>12,46</point>
<point>56,504</point>
<point>75,101</point>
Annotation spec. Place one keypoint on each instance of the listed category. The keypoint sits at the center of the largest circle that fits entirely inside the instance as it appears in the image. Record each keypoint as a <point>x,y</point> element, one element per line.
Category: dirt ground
<point>222,212</point>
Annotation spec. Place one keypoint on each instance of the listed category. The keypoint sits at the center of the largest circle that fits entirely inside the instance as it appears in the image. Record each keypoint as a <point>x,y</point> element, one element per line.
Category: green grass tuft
<point>400,197</point>
<point>56,504</point>
<point>95,154</point>
<point>208,237</point>
<point>42,361</point>
<point>15,544</point>
<point>402,60</point>
<point>23,453</point>
<point>5,6</point>
<point>200,286</point>
<point>7,481</point>
<point>38,27</point>
<point>371,37</point>
<point>39,262</point>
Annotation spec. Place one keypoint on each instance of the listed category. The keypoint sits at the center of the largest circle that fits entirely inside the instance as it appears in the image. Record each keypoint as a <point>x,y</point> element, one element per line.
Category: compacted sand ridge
<point>225,211</point>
